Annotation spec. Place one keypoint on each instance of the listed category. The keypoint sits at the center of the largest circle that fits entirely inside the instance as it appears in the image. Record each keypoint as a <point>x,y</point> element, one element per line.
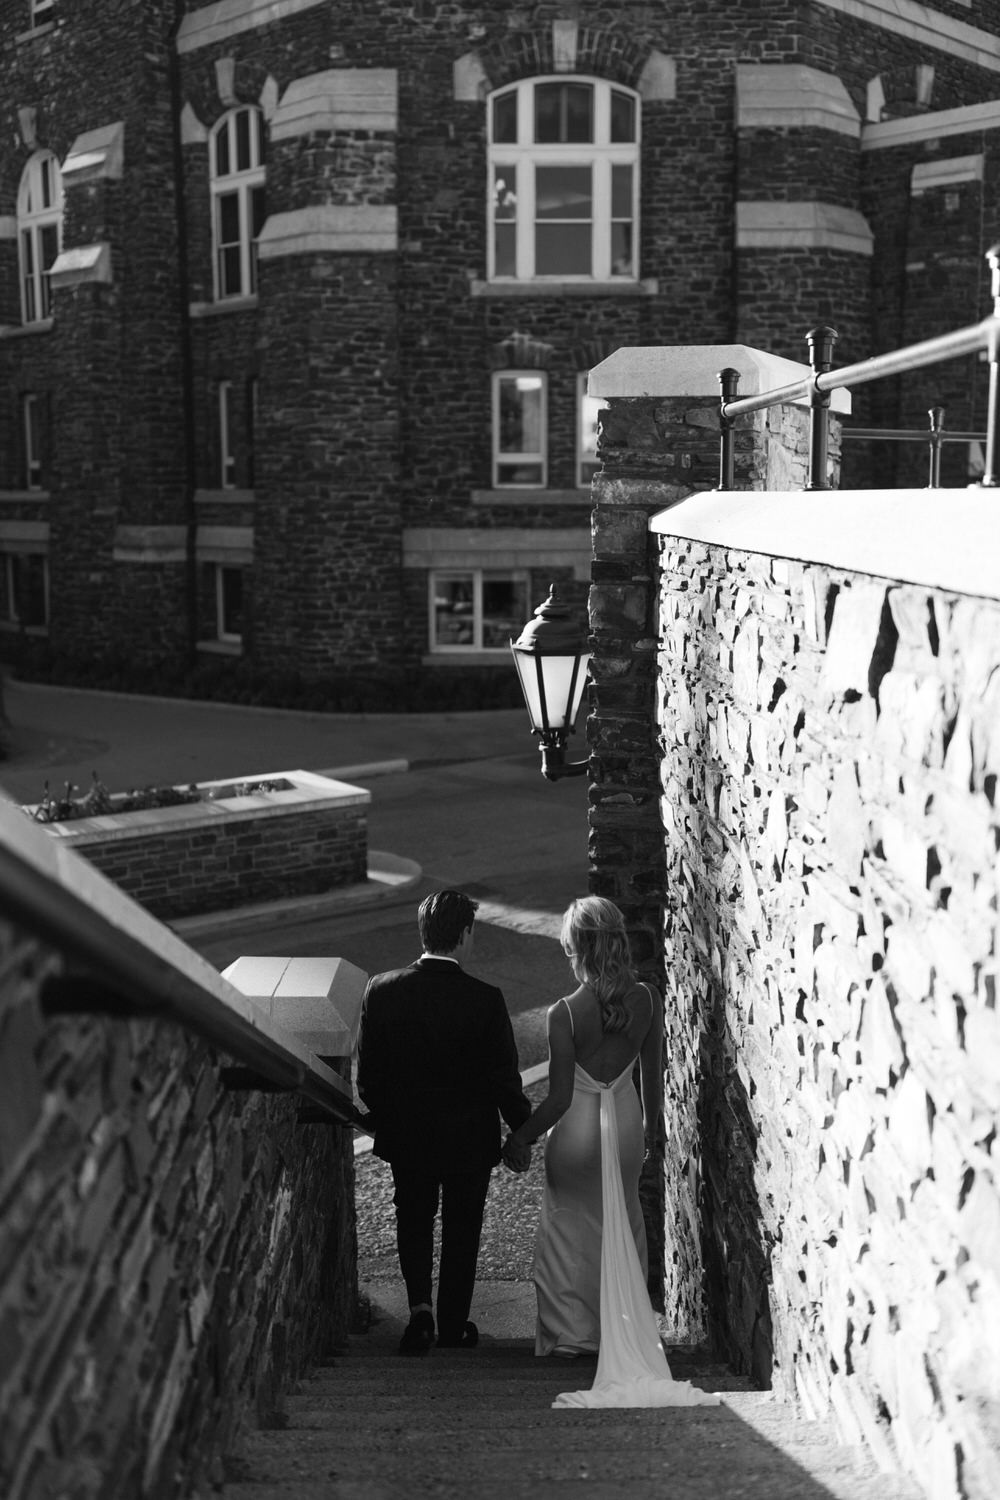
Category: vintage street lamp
<point>551,657</point>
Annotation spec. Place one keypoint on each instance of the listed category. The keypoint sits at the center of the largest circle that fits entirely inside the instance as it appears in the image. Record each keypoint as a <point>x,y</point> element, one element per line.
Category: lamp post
<point>551,658</point>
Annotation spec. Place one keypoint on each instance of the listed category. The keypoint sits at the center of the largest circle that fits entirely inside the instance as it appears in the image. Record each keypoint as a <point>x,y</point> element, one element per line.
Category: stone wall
<point>184,860</point>
<point>829,772</point>
<point>172,1255</point>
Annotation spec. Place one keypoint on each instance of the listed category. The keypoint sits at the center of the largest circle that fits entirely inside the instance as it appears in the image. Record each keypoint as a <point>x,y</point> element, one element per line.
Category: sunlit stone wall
<point>830,749</point>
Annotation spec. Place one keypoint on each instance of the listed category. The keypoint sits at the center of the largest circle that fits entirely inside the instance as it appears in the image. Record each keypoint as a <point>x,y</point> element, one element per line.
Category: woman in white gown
<point>590,1256</point>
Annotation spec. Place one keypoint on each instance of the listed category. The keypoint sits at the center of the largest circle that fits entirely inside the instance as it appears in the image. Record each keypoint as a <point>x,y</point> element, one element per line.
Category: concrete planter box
<point>224,851</point>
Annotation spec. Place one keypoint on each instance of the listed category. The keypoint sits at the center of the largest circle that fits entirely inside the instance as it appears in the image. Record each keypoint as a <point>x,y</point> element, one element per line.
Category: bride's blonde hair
<point>594,939</point>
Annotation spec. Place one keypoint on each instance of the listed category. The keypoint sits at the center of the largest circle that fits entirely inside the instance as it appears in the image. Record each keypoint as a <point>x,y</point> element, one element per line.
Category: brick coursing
<point>174,1255</point>
<point>181,872</point>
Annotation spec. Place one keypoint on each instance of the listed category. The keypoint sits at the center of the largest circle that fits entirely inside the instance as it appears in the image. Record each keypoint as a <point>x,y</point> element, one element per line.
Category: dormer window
<point>564,181</point>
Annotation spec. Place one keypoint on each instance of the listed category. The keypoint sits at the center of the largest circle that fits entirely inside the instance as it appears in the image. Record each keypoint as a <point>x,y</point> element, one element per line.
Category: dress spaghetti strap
<point>572,1028</point>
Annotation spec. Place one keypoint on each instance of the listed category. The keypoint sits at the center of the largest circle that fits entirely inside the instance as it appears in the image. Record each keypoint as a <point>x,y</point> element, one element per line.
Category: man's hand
<point>517,1158</point>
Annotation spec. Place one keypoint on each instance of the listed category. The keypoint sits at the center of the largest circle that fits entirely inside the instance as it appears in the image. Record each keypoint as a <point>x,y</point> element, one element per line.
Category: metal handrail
<point>935,436</point>
<point>816,388</point>
<point>131,978</point>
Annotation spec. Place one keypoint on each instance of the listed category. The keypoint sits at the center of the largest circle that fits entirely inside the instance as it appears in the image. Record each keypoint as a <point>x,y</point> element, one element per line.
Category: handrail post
<point>729,380</point>
<point>821,341</point>
<point>989,479</point>
<point>936,415</point>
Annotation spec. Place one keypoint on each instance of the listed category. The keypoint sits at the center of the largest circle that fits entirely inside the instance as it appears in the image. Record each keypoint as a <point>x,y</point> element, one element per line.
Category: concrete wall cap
<point>791,94</point>
<point>945,539</point>
<point>692,370</point>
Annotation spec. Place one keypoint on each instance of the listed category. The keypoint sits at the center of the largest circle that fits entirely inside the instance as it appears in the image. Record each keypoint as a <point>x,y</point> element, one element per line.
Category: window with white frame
<point>25,582</point>
<point>237,189</point>
<point>31,428</point>
<point>228,603</point>
<point>476,609</point>
<point>227,455</point>
<point>41,11</point>
<point>39,232</point>
<point>587,408</point>
<point>519,429</point>
<point>564,180</point>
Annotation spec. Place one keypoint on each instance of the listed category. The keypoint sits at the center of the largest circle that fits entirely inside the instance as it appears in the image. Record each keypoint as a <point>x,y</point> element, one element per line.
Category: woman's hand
<point>517,1158</point>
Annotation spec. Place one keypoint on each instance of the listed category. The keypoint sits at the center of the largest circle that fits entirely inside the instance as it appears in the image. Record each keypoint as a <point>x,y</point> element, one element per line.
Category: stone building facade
<point>297,301</point>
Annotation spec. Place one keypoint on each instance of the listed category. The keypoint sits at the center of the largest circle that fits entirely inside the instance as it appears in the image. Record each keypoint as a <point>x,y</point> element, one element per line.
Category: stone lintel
<point>939,124</point>
<point>944,539</point>
<point>338,99</point>
<point>82,263</point>
<point>802,226</point>
<point>500,547</point>
<point>230,545</point>
<point>150,544</point>
<point>330,228</point>
<point>692,370</point>
<point>24,536</point>
<point>953,170</point>
<point>791,95</point>
<point>96,154</point>
<point>227,18</point>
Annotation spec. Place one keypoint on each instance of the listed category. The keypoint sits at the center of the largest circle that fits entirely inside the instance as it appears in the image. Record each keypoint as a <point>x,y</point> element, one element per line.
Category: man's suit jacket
<point>437,1066</point>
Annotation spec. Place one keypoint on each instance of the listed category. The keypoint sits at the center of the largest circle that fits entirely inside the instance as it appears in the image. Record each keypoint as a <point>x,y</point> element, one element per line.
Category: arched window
<point>39,232</point>
<point>564,180</point>
<point>237,186</point>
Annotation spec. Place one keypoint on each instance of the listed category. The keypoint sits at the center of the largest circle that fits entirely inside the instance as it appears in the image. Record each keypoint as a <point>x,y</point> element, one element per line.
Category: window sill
<point>13,497</point>
<point>531,497</point>
<point>556,288</point>
<point>225,305</point>
<point>468,658</point>
<point>224,497</point>
<point>35,32</point>
<point>220,648</point>
<point>25,330</point>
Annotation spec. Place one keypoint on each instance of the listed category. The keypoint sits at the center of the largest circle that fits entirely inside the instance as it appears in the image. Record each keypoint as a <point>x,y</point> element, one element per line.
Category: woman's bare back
<point>606,1054</point>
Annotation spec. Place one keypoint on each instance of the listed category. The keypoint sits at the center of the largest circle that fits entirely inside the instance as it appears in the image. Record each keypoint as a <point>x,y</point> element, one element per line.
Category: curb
<point>389,875</point>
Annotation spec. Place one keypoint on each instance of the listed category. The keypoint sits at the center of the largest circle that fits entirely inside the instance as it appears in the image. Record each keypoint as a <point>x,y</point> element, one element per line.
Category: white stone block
<point>318,999</point>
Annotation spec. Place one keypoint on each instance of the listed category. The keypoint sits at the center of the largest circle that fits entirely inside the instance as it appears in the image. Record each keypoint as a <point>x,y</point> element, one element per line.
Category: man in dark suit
<point>437,1067</point>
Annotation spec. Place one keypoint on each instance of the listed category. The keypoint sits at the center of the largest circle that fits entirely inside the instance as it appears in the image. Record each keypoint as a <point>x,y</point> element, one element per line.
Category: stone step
<point>478,1425</point>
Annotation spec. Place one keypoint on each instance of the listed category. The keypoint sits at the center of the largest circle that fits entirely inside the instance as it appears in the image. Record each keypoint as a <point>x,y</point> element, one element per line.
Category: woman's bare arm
<point>562,1060</point>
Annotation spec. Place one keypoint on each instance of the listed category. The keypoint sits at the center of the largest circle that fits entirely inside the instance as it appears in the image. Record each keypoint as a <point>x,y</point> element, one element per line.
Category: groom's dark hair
<point>442,918</point>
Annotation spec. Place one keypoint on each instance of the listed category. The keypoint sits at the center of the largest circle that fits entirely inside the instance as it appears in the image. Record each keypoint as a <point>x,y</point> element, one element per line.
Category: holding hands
<point>517,1158</point>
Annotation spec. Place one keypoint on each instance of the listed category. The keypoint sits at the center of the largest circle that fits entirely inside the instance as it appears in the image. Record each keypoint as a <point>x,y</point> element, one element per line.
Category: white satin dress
<point>591,1256</point>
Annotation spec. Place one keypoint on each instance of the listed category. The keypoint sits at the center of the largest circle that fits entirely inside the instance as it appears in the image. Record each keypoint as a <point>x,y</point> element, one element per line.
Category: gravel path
<point>508,1240</point>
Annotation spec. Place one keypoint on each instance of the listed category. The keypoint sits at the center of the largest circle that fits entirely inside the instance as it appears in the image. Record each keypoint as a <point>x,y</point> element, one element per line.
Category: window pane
<point>521,473</point>
<point>622,262</point>
<point>243,140</point>
<point>230,601</point>
<point>230,284</point>
<point>229,218</point>
<point>258,212</point>
<point>453,610</point>
<point>590,406</point>
<point>504,221</point>
<point>621,192</point>
<point>505,118</point>
<point>521,414</point>
<point>27,252</point>
<point>564,112</point>
<point>222,151</point>
<point>622,117</point>
<point>562,250</point>
<point>562,193</point>
<point>505,609</point>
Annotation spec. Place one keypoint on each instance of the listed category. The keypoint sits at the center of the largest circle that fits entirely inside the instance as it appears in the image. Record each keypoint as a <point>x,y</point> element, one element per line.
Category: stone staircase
<point>478,1425</point>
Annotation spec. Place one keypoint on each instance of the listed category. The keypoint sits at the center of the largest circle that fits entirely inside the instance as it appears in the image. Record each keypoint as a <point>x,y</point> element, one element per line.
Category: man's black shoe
<point>418,1335</point>
<point>466,1340</point>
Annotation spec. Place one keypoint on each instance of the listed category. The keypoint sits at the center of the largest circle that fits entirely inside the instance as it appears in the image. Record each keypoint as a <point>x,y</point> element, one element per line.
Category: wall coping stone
<point>309,793</point>
<point>96,154</point>
<point>339,99</point>
<point>324,228</point>
<point>947,173</point>
<point>693,370</point>
<point>942,538</point>
<point>966,120</point>
<point>318,999</point>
